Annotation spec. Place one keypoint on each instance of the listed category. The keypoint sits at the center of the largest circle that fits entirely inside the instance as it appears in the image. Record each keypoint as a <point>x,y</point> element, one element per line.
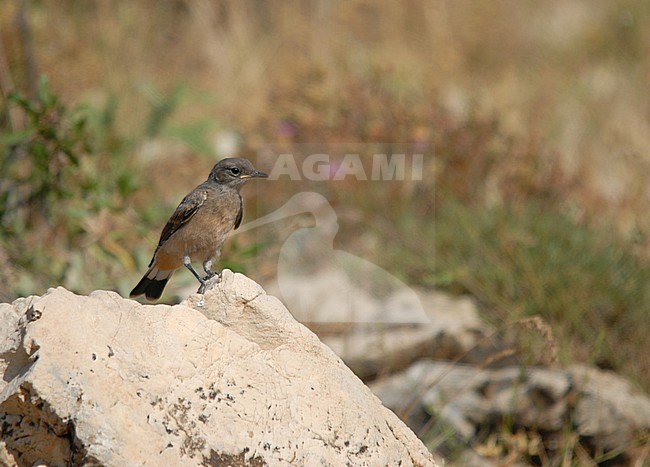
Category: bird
<point>199,227</point>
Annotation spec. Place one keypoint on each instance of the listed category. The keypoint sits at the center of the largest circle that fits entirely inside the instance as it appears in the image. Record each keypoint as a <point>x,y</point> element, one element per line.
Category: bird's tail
<point>152,283</point>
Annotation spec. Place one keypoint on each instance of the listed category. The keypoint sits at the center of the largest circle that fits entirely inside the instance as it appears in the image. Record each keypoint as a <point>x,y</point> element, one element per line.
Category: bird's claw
<point>209,275</point>
<point>204,281</point>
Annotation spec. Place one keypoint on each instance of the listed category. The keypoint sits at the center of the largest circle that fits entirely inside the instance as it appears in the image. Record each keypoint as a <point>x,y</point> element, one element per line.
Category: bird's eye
<point>235,170</point>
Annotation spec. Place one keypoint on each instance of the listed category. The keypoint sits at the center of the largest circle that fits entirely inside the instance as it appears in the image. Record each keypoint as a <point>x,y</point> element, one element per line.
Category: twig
<point>28,51</point>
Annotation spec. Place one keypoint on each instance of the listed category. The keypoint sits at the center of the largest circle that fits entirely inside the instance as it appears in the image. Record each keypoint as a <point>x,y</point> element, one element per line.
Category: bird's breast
<point>204,234</point>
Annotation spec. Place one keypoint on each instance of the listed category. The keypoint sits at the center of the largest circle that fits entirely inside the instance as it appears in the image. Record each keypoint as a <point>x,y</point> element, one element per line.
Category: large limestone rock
<point>226,379</point>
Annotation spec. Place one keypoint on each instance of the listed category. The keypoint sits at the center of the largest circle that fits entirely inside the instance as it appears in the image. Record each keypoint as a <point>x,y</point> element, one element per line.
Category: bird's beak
<point>256,174</point>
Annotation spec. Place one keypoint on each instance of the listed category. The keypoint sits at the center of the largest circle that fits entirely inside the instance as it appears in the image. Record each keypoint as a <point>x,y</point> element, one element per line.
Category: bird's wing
<point>240,214</point>
<point>183,213</point>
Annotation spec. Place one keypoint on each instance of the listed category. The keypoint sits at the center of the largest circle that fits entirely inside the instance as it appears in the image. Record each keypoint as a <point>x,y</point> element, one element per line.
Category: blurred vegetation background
<point>533,118</point>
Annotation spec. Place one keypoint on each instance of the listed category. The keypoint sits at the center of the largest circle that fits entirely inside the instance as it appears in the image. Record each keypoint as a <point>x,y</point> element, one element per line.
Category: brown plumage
<point>199,226</point>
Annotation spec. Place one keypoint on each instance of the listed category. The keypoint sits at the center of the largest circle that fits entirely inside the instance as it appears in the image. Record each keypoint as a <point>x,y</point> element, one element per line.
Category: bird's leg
<point>187,262</point>
<point>207,267</point>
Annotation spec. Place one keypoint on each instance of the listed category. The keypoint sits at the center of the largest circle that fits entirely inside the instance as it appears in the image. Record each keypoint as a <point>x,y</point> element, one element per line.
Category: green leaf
<point>17,137</point>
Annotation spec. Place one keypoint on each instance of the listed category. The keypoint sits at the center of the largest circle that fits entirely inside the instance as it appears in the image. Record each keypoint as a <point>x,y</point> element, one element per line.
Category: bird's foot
<point>206,281</point>
<point>210,275</point>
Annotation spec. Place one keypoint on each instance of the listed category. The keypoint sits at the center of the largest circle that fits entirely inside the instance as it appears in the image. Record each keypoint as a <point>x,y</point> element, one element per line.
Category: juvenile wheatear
<point>199,227</point>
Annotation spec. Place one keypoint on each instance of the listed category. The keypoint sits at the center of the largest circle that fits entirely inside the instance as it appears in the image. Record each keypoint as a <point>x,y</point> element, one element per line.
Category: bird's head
<point>234,171</point>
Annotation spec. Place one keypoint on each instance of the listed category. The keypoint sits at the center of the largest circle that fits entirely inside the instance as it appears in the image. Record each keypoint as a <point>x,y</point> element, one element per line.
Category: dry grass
<point>548,354</point>
<point>569,75</point>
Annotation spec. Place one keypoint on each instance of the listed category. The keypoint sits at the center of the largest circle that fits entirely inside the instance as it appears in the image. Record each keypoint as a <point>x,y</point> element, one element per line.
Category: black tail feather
<point>151,288</point>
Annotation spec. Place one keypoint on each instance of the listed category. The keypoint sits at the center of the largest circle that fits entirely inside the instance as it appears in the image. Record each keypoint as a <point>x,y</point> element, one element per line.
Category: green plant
<point>531,259</point>
<point>38,161</point>
<point>61,172</point>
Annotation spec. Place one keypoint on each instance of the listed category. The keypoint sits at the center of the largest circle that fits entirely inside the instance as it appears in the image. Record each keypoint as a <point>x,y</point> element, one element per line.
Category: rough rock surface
<point>609,409</point>
<point>600,406</point>
<point>228,378</point>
